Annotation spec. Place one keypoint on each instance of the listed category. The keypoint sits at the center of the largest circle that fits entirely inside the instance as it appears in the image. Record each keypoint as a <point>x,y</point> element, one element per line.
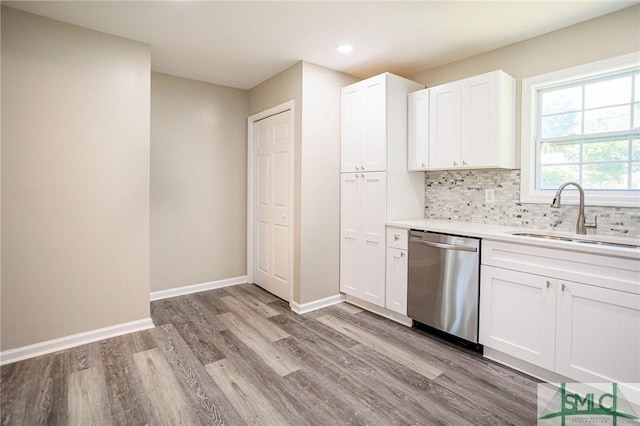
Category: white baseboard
<point>303,308</point>
<point>195,288</point>
<point>49,346</point>
<point>383,312</point>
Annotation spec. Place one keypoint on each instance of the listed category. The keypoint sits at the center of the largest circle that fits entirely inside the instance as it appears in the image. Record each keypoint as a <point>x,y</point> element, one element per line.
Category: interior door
<point>271,246</point>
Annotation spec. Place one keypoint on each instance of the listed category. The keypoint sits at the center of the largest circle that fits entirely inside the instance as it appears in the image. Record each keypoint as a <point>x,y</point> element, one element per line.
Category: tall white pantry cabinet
<point>375,183</point>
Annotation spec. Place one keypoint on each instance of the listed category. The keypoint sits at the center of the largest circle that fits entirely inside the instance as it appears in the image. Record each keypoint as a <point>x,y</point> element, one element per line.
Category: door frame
<point>286,106</point>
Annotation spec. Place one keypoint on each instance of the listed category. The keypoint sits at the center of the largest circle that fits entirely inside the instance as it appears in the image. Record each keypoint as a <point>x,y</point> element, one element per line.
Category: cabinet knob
<point>357,168</point>
<point>361,167</point>
<point>563,287</point>
<point>357,175</point>
<point>548,284</point>
<point>464,163</point>
<point>455,164</point>
<point>402,254</point>
<point>424,166</point>
<point>396,237</point>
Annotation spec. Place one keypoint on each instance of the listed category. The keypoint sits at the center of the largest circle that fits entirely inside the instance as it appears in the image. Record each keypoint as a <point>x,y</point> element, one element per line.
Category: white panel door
<point>444,126</point>
<point>350,233</point>
<point>352,127</point>
<point>396,291</point>
<point>374,142</point>
<point>480,132</point>
<point>272,174</point>
<point>598,334</point>
<point>517,314</point>
<point>372,216</point>
<point>418,130</point>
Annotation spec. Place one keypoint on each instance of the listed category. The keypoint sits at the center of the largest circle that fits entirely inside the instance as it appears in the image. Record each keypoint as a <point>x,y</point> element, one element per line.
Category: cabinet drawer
<point>397,238</point>
<point>599,270</point>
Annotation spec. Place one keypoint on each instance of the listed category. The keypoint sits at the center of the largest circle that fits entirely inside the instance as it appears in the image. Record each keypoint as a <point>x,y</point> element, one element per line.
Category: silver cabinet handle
<point>563,287</point>
<point>424,166</point>
<point>396,237</point>
<point>441,245</point>
<point>455,164</point>
<point>357,168</point>
<point>548,283</point>
<point>402,254</point>
<point>361,167</point>
<point>464,163</point>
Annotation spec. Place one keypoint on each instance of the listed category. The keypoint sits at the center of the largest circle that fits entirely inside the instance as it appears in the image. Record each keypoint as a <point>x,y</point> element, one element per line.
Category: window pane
<point>561,125</point>
<point>607,120</point>
<point>551,177</point>
<point>636,116</point>
<point>636,87</point>
<point>635,150</point>
<point>635,175</point>
<point>606,150</point>
<point>562,100</point>
<point>558,153</point>
<point>605,176</point>
<point>609,92</point>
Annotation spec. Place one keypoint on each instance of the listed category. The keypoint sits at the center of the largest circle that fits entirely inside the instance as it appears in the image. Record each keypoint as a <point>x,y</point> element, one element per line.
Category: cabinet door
<point>418,130</point>
<point>444,126</point>
<point>372,217</point>
<point>352,122</point>
<point>396,288</point>
<point>517,314</point>
<point>480,124</point>
<point>374,142</point>
<point>350,233</point>
<point>598,334</point>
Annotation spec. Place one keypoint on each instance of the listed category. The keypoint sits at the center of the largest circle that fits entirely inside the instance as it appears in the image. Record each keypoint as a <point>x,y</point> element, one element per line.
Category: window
<point>583,125</point>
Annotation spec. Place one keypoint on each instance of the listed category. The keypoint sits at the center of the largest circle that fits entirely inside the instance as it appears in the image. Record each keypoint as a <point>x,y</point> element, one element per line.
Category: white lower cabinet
<point>396,291</point>
<point>585,332</point>
<point>362,236</point>
<point>518,314</point>
<point>597,334</point>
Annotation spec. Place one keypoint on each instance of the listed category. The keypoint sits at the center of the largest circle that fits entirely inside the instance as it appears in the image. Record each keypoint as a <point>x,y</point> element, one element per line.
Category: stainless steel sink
<point>575,240</point>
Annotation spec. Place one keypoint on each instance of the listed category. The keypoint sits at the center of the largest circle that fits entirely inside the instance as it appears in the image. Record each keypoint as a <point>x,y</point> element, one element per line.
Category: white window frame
<point>530,87</point>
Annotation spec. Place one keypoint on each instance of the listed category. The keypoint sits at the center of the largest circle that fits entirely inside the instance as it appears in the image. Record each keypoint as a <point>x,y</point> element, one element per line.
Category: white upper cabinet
<point>418,130</point>
<point>364,126</point>
<point>472,123</point>
<point>444,129</point>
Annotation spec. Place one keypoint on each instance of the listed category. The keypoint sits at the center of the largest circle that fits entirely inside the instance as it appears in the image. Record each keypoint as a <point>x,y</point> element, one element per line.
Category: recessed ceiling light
<point>344,48</point>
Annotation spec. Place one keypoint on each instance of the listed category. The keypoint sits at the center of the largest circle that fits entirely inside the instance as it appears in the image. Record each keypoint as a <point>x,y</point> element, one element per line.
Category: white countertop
<point>505,234</point>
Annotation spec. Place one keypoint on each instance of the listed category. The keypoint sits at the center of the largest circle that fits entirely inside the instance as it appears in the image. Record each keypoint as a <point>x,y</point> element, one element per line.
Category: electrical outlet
<point>490,195</point>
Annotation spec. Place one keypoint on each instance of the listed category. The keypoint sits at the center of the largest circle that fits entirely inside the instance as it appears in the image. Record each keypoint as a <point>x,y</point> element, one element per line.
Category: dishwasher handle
<point>441,245</point>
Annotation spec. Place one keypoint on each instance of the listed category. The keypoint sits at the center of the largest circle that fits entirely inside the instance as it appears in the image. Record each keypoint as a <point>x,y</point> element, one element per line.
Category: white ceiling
<point>241,44</point>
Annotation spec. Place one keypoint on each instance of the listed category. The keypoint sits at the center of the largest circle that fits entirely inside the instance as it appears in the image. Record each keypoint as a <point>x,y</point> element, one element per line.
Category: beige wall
<point>198,182</point>
<point>611,35</point>
<point>75,179</point>
<point>281,88</point>
<point>320,196</point>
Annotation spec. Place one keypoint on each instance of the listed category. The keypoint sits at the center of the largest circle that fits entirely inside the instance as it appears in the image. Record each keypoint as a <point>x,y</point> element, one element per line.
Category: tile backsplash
<point>459,195</point>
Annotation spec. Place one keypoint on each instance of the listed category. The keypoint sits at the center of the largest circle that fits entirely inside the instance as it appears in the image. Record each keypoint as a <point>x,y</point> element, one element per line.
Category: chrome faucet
<point>581,226</point>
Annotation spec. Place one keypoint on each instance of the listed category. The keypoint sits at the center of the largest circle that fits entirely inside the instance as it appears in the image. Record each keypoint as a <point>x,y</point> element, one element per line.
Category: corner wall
<point>198,182</point>
<point>75,179</point>
<point>316,92</point>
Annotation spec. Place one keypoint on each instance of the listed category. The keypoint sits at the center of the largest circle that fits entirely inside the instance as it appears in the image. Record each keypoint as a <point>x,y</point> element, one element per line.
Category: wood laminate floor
<point>239,355</point>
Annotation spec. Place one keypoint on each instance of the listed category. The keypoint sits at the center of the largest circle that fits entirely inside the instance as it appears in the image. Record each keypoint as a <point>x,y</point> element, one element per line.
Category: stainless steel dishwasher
<point>444,283</point>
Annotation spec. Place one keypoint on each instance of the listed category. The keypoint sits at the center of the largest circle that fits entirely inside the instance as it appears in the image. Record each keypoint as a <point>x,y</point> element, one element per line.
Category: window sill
<point>590,200</point>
